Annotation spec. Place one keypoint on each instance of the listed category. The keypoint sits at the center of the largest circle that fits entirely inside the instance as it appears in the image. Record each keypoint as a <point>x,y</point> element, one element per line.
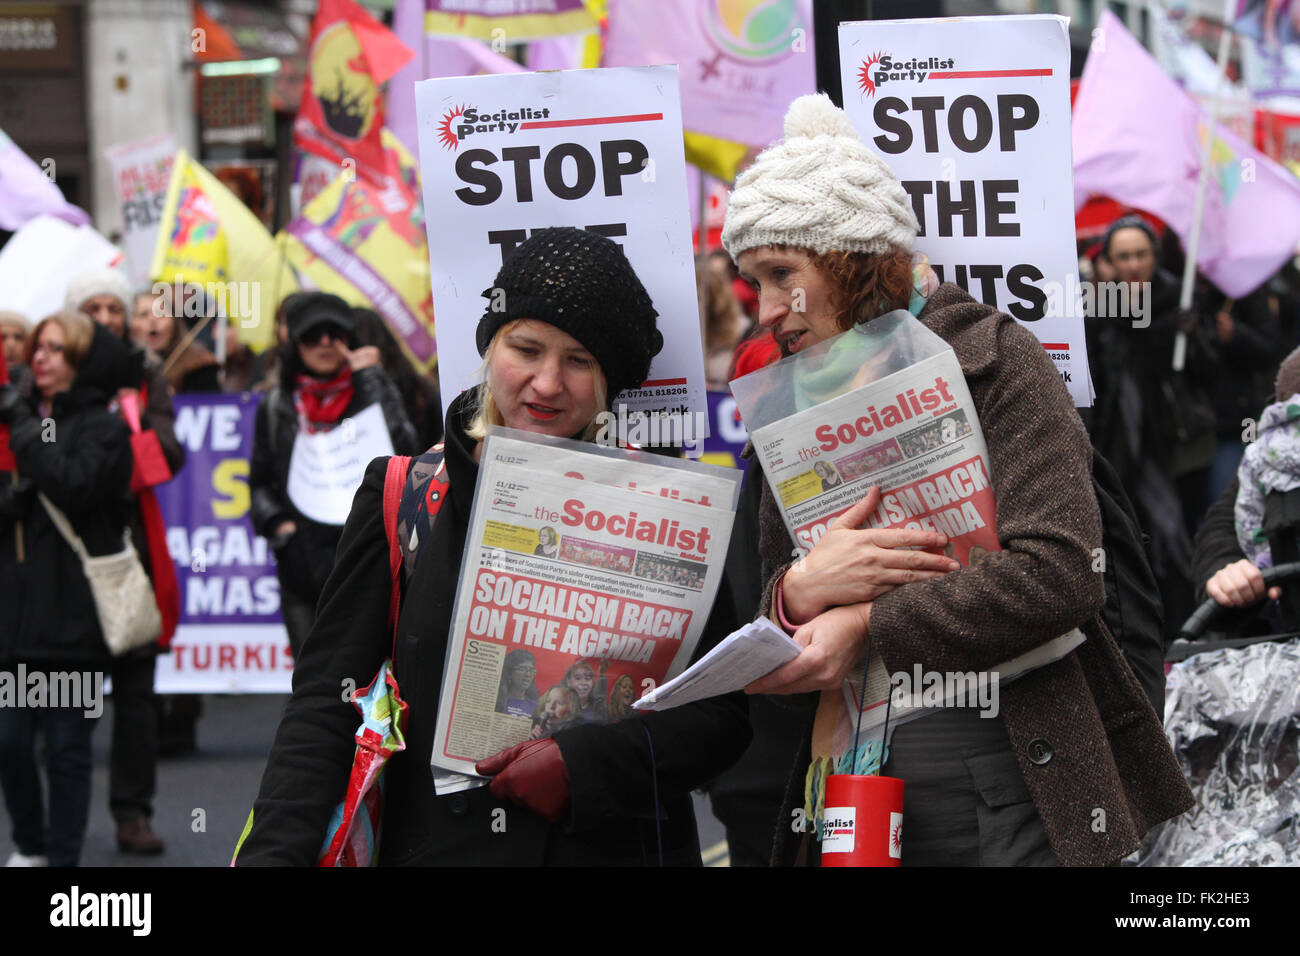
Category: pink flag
<point>556,53</point>
<point>740,64</point>
<point>26,192</point>
<point>1138,139</point>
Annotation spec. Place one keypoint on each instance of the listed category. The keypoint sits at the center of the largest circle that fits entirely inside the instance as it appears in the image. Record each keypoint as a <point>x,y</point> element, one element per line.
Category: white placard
<point>39,259</point>
<point>141,172</point>
<point>598,149</point>
<point>326,468</point>
<point>973,115</point>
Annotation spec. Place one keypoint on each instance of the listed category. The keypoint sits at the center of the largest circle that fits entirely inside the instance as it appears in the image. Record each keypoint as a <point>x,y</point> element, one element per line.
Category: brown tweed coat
<point>1083,731</point>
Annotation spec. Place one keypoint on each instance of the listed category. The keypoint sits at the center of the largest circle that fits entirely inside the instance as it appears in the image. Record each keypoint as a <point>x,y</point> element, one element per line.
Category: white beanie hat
<point>820,188</point>
<point>93,282</point>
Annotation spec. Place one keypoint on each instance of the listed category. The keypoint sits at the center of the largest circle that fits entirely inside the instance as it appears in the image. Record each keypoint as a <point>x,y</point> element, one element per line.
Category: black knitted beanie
<point>582,284</point>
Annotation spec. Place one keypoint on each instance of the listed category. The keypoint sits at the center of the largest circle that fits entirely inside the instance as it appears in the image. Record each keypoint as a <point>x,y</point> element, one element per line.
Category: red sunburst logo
<point>864,75</point>
<point>445,134</point>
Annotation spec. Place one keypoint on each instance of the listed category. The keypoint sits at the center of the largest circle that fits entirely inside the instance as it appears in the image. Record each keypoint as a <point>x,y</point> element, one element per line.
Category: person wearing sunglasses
<point>323,382</point>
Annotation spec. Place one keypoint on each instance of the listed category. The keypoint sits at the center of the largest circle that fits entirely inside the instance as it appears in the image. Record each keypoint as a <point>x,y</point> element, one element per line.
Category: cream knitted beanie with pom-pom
<point>820,188</point>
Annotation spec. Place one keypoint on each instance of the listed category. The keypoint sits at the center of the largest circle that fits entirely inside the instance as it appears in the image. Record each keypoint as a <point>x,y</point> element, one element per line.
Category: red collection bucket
<point>863,821</point>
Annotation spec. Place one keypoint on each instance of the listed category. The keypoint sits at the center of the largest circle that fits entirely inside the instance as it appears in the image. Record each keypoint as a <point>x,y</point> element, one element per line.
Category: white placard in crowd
<point>141,172</point>
<point>501,156</point>
<point>326,468</point>
<point>39,259</point>
<point>973,115</point>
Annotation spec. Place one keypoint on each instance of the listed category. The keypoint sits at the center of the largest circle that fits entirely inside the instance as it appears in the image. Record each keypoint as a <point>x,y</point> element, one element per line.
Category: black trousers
<point>67,732</point>
<point>299,614</point>
<point>133,754</point>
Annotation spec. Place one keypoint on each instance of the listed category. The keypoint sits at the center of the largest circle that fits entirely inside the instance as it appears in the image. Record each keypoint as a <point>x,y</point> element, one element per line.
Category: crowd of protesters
<point>112,354</point>
<point>1175,435</point>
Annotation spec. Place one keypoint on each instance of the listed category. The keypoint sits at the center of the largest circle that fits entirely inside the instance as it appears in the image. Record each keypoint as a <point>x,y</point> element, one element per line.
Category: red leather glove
<point>531,774</point>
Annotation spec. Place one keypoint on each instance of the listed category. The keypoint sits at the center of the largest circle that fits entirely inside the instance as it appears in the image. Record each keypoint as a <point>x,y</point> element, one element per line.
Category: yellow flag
<point>368,246</point>
<point>717,157</point>
<point>523,23</point>
<point>209,241</point>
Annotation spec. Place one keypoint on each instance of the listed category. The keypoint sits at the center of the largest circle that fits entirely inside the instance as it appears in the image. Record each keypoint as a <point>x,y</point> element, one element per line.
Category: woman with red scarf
<point>323,381</point>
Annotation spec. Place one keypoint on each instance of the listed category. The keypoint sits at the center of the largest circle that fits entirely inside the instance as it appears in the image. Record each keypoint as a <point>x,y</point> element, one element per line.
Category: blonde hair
<point>78,332</point>
<point>483,410</point>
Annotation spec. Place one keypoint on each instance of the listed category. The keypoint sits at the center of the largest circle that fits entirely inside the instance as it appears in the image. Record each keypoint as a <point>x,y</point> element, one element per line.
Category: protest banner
<point>501,156</point>
<point>727,435</point>
<point>498,20</point>
<point>973,115</point>
<point>367,245</point>
<point>141,172</point>
<point>230,639</point>
<point>568,560</point>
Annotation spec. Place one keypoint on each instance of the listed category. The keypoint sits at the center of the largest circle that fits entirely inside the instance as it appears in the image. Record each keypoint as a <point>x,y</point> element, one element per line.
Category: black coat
<point>304,563</point>
<point>613,794</point>
<point>80,457</point>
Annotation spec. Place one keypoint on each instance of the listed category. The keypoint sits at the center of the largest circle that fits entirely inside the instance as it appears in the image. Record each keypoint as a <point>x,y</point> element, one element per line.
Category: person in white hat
<point>824,231</point>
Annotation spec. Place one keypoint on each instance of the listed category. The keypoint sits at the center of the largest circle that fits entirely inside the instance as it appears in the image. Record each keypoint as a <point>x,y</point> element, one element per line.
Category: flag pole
<point>1202,183</point>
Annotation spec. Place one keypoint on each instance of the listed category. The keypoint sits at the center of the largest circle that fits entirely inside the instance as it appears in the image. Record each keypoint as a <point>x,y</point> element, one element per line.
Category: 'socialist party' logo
<point>464,121</point>
<point>751,31</point>
<point>882,67</point>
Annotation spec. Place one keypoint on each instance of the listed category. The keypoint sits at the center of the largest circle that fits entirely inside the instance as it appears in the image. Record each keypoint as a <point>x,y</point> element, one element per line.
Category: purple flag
<point>26,192</point>
<point>1138,139</point>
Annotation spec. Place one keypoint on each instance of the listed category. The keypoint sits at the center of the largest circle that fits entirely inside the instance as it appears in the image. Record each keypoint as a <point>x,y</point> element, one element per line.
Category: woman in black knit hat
<point>568,326</point>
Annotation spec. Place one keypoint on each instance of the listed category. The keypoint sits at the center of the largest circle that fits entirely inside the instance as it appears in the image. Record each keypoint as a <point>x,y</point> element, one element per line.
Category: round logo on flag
<point>342,84</point>
<point>752,31</point>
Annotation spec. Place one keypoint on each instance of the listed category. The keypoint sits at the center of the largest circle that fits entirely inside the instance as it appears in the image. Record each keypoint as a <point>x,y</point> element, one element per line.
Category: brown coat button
<point>1040,751</point>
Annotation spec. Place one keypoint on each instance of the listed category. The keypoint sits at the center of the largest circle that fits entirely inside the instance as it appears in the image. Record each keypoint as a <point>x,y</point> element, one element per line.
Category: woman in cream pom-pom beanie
<point>824,231</point>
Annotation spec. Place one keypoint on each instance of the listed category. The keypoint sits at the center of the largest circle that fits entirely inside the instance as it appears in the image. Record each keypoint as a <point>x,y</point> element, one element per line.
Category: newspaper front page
<point>587,579</point>
<point>883,404</point>
<point>886,407</point>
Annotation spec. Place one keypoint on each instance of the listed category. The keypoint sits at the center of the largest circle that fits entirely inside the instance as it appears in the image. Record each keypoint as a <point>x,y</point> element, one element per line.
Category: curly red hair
<point>866,285</point>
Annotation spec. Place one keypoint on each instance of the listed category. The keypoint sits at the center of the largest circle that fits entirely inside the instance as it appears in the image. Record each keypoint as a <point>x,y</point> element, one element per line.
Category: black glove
<point>16,499</point>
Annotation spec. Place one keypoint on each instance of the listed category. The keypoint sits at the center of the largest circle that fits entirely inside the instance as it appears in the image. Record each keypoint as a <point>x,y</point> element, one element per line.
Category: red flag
<point>7,462</point>
<point>342,110</point>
